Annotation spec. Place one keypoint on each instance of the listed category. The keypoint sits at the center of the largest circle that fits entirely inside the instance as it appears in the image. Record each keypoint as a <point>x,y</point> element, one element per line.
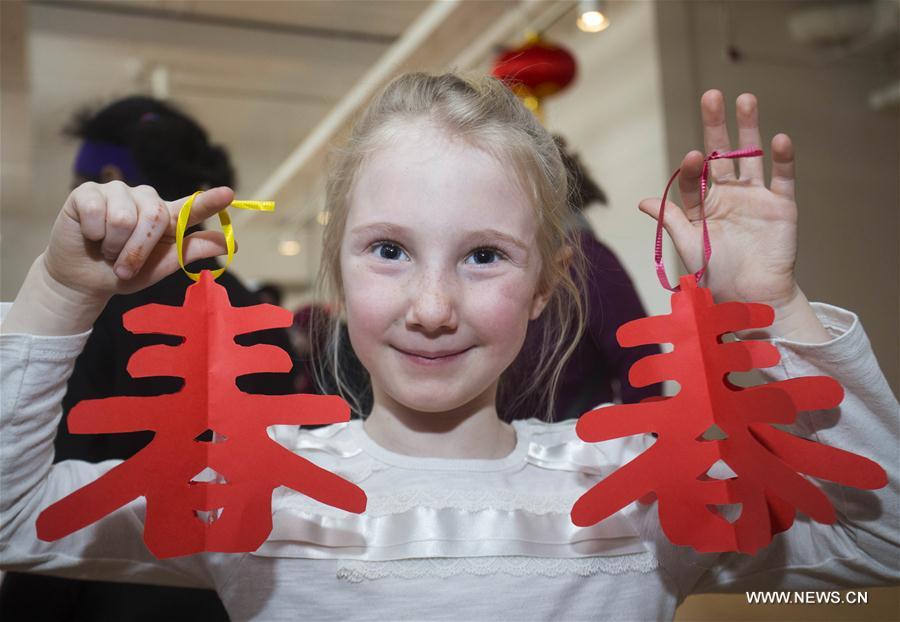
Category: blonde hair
<point>484,112</point>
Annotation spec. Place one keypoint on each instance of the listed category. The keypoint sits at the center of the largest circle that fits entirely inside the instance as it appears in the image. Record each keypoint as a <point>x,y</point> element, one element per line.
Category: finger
<point>88,207</point>
<point>680,229</point>
<point>748,136</point>
<point>208,203</point>
<point>121,218</point>
<point>689,180</point>
<point>783,166</point>
<point>153,219</point>
<point>204,244</point>
<point>715,133</point>
<point>163,259</point>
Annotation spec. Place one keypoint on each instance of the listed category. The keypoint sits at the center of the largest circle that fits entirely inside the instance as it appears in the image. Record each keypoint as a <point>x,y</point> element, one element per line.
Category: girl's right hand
<point>113,239</point>
<point>108,239</point>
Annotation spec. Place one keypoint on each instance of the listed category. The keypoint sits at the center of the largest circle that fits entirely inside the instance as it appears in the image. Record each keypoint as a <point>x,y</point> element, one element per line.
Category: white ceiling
<point>383,19</point>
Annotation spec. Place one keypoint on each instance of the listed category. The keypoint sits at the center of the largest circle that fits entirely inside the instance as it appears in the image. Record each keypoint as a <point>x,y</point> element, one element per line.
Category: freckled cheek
<point>373,304</point>
<point>500,312</point>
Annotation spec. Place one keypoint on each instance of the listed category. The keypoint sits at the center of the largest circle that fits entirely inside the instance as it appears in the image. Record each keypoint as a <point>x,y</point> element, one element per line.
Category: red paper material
<point>252,463</point>
<point>768,462</point>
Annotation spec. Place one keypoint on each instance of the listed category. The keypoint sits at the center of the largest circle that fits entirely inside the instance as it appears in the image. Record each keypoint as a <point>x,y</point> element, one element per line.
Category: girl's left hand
<point>752,229</point>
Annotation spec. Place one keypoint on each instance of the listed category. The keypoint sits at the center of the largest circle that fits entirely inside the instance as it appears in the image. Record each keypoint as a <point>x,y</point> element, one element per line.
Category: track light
<point>289,247</point>
<point>592,16</point>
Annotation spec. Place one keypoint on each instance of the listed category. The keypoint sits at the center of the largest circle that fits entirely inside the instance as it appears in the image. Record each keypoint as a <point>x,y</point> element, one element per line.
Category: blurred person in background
<point>597,371</point>
<point>270,293</point>
<point>136,140</point>
<point>311,340</point>
<point>301,337</point>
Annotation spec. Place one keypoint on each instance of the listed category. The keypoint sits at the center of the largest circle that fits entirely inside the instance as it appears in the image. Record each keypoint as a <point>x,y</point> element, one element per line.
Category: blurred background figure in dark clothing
<point>137,140</point>
<point>269,293</point>
<point>597,371</point>
<point>301,335</point>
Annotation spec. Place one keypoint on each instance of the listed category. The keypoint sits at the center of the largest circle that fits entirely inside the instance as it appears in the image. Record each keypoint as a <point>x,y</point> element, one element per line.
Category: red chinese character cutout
<point>252,463</point>
<point>768,462</point>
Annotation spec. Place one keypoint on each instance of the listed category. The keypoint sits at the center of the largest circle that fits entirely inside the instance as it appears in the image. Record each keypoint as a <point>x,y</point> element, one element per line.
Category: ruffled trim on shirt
<point>405,500</point>
<point>458,524</point>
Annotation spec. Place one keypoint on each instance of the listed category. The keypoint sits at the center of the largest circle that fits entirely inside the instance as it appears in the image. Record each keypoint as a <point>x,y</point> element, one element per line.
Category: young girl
<point>445,240</point>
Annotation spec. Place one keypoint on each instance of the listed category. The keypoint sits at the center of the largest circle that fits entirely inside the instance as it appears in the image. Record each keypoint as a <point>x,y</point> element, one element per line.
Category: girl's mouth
<point>420,357</point>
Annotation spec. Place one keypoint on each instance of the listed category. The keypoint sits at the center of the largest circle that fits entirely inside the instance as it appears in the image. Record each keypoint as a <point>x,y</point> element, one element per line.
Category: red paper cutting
<point>767,462</point>
<point>252,464</point>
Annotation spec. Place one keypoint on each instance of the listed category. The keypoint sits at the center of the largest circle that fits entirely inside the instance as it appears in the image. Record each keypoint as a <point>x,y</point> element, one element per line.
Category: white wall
<point>17,227</point>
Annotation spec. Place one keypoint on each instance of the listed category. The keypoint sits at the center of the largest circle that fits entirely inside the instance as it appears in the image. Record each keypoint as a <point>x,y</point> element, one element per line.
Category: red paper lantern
<point>538,67</point>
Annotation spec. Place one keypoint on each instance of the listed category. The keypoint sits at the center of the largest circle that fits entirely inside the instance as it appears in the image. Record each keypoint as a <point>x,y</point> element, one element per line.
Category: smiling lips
<point>424,357</point>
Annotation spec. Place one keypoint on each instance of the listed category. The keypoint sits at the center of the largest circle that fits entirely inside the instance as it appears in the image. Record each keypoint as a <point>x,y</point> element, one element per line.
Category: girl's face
<point>440,271</point>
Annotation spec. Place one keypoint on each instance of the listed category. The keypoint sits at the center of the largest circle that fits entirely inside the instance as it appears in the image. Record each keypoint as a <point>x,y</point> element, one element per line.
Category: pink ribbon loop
<point>749,152</point>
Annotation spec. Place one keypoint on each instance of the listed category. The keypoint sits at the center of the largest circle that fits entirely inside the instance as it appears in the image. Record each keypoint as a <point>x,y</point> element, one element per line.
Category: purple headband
<point>93,156</point>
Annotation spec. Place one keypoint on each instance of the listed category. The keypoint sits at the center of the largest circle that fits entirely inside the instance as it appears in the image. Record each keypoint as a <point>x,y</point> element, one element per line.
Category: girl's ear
<point>542,295</point>
<point>538,303</point>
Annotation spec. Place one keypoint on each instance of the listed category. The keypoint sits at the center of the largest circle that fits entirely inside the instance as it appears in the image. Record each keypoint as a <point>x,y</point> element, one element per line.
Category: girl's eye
<point>389,251</point>
<point>483,256</point>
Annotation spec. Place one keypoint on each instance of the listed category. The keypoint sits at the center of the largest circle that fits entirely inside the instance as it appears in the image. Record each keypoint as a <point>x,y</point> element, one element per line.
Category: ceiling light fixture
<point>289,247</point>
<point>591,16</point>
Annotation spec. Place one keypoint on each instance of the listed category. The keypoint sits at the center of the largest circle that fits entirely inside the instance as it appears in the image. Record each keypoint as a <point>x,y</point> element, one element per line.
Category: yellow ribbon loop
<point>227,229</point>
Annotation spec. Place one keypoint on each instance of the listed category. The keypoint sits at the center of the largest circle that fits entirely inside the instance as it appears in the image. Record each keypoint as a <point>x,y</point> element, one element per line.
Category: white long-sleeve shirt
<point>459,539</point>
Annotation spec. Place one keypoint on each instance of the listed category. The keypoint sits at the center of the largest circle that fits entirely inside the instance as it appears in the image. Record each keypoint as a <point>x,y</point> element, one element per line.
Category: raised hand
<point>108,239</point>
<point>753,228</point>
<point>113,239</point>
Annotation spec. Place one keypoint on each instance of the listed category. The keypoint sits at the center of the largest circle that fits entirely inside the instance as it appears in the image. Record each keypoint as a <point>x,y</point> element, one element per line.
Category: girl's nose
<point>432,304</point>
